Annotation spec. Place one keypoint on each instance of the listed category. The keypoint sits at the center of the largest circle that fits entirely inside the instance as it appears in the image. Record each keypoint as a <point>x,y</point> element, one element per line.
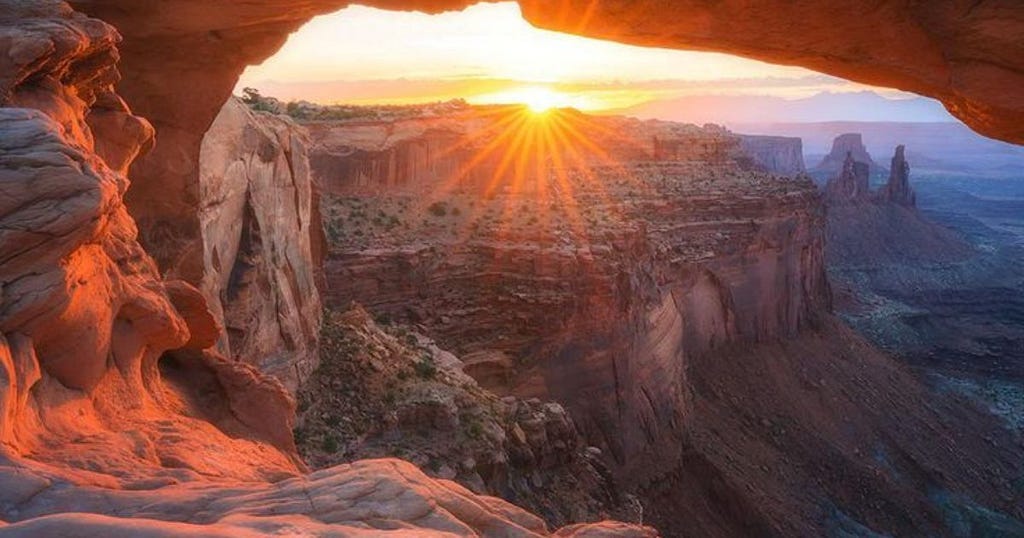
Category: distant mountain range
<point>826,106</point>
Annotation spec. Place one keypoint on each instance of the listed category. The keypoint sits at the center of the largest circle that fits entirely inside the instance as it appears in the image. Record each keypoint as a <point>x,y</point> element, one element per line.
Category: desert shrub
<point>438,209</point>
<point>330,444</point>
<point>425,369</point>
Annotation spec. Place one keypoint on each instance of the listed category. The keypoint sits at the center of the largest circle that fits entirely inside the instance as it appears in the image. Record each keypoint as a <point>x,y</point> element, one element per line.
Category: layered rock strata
<point>493,150</point>
<point>593,287</point>
<point>776,154</point>
<point>106,363</point>
<point>679,309</point>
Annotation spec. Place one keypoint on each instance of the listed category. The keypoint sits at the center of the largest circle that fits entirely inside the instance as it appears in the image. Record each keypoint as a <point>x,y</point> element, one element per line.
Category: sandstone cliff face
<point>776,154</point>
<point>117,416</point>
<point>474,149</point>
<point>258,265</point>
<point>680,311</point>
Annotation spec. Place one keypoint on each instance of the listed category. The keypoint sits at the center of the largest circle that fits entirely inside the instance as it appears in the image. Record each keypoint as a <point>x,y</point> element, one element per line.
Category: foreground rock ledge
<point>367,498</point>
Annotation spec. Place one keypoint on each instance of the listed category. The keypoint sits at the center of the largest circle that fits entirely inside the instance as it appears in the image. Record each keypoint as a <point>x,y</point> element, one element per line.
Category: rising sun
<point>539,99</point>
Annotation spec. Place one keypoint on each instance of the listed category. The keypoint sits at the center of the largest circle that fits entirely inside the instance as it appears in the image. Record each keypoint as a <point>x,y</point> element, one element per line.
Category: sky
<point>489,54</point>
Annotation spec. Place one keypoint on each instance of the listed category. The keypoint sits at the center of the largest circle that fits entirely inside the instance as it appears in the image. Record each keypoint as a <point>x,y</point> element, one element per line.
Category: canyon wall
<point>592,288</point>
<point>257,230</point>
<point>98,348</point>
<point>679,309</point>
<point>463,148</point>
<point>776,154</point>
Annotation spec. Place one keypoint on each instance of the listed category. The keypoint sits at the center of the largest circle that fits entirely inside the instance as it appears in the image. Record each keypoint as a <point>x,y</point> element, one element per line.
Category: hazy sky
<point>488,53</point>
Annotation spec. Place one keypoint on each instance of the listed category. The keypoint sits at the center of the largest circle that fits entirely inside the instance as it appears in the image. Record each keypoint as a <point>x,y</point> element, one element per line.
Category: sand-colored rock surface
<point>257,261</point>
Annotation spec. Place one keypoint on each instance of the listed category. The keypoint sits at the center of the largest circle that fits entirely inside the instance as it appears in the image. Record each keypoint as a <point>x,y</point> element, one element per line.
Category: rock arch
<point>181,59</point>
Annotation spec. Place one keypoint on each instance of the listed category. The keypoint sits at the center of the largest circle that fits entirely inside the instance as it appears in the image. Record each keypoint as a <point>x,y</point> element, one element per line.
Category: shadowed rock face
<point>593,288</point>
<point>182,60</point>
<point>776,154</point>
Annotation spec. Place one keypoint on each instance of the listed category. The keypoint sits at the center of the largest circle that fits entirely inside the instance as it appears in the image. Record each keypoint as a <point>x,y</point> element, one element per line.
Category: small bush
<point>426,369</point>
<point>438,209</point>
<point>330,444</point>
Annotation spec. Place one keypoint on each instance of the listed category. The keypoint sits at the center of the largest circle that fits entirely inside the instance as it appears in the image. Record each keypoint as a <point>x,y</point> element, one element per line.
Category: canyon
<point>592,317</point>
<point>644,265</point>
<point>934,278</point>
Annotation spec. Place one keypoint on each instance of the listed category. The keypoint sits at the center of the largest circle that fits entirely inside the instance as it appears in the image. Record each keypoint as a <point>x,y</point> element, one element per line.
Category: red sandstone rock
<point>625,270</point>
<point>203,327</point>
<point>183,60</point>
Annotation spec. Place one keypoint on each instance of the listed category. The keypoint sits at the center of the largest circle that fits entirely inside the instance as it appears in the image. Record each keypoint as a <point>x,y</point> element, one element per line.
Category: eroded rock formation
<point>473,149</point>
<point>678,308</point>
<point>897,190</point>
<point>848,146</point>
<point>257,231</point>
<point>183,59</point>
<point>852,184</point>
<point>93,337</point>
<point>111,383</point>
<point>594,287</point>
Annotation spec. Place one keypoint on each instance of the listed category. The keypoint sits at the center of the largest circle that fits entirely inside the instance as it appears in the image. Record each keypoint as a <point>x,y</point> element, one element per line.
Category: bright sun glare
<point>538,99</point>
<point>489,54</point>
